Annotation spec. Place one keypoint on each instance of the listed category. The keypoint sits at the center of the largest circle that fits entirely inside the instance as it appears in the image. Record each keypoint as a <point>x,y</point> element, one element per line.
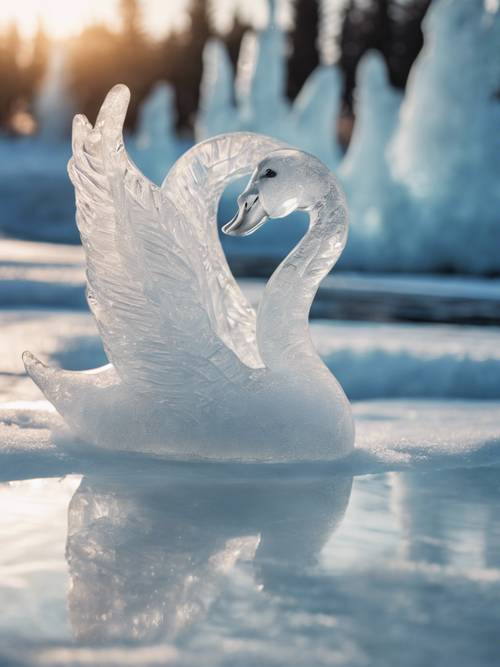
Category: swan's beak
<point>251,215</point>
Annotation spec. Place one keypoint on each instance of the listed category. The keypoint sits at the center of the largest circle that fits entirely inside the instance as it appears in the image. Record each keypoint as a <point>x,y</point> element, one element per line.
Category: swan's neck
<point>283,320</point>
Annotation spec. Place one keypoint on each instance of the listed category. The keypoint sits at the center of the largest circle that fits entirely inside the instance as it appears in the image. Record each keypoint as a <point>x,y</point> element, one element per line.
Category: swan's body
<point>193,371</point>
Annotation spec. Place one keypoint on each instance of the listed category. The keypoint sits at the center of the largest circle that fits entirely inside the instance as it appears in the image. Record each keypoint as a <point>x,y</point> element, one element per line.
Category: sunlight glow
<point>62,18</point>
<point>59,17</point>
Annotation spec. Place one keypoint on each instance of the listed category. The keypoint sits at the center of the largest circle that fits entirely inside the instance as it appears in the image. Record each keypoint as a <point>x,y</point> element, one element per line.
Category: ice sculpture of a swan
<point>193,371</point>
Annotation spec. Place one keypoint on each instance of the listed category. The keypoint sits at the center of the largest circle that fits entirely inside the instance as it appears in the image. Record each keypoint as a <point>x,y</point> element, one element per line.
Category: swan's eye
<point>269,173</point>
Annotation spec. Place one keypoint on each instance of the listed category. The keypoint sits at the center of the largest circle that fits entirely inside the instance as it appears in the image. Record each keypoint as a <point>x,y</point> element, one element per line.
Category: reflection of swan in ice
<point>147,558</point>
<point>194,371</point>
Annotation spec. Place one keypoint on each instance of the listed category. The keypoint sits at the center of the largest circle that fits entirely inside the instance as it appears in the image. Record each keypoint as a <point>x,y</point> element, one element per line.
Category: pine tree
<point>392,27</point>
<point>10,72</point>
<point>233,38</point>
<point>131,19</point>
<point>186,77</point>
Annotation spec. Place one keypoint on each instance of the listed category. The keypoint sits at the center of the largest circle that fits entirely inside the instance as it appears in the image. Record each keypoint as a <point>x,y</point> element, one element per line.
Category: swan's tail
<point>38,372</point>
<point>66,388</point>
<point>62,388</point>
<point>51,381</point>
<point>73,393</point>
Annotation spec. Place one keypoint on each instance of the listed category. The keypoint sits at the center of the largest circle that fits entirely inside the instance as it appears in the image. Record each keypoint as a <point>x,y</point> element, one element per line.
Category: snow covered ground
<point>371,360</point>
<point>390,435</point>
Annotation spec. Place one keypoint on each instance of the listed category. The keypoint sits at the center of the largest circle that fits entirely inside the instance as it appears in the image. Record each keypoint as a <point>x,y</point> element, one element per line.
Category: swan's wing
<point>143,282</point>
<point>193,187</point>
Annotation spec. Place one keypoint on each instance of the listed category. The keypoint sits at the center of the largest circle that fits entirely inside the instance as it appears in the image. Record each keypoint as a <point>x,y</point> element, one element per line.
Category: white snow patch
<point>371,360</point>
<point>390,435</point>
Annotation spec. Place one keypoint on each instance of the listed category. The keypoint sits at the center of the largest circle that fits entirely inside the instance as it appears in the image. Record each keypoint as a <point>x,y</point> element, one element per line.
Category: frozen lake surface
<point>162,567</point>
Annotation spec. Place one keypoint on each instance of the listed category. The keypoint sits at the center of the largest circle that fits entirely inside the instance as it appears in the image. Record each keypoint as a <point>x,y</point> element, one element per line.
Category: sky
<point>62,18</point>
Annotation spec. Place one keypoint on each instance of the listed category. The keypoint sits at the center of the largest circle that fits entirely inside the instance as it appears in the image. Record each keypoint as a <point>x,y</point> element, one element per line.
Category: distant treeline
<point>100,57</point>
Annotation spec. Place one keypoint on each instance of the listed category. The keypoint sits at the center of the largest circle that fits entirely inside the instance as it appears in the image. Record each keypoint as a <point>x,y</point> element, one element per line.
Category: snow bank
<point>370,360</point>
<point>40,274</point>
<point>390,360</point>
<point>390,435</point>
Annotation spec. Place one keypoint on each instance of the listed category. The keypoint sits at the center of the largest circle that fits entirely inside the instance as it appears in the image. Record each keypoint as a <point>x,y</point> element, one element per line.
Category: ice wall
<point>155,147</point>
<point>446,151</point>
<point>53,104</point>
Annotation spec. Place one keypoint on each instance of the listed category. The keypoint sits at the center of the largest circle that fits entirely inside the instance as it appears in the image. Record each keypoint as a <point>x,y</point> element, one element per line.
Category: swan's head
<point>286,180</point>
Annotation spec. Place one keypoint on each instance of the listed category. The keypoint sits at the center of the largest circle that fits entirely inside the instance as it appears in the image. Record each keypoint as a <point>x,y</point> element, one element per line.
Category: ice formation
<point>314,115</point>
<point>422,184</point>
<point>446,151</point>
<point>370,360</point>
<point>259,92</point>
<point>191,364</point>
<point>376,203</point>
<point>217,113</point>
<point>155,147</point>
<point>53,104</point>
<point>261,77</point>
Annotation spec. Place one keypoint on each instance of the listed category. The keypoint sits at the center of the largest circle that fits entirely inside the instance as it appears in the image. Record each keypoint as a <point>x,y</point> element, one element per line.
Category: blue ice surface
<point>145,567</point>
